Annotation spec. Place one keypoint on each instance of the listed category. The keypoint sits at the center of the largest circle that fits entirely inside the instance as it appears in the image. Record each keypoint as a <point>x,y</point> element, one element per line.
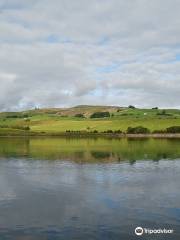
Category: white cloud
<point>61,53</point>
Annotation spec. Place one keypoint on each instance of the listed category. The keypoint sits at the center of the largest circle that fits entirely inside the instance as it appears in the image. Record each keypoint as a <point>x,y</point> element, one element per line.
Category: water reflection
<point>47,193</point>
<point>91,150</point>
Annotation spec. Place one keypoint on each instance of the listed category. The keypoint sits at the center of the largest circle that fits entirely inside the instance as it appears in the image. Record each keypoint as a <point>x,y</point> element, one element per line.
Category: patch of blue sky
<point>175,59</point>
<point>103,41</point>
<point>108,68</point>
<point>96,92</point>
<point>178,57</point>
<point>52,39</point>
<point>56,39</point>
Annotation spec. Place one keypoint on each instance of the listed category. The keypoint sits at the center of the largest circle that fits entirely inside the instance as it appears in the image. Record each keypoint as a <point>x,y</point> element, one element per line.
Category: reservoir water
<point>58,188</point>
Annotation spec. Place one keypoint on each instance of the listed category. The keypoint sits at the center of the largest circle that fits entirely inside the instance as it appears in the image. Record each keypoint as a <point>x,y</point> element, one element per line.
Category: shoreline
<point>94,135</point>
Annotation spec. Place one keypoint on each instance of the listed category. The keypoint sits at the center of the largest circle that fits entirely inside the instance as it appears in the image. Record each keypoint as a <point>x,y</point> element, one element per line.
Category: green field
<point>61,120</point>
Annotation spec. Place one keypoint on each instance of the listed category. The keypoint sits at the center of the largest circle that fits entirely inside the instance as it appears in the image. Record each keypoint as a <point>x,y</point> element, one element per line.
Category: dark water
<point>88,188</point>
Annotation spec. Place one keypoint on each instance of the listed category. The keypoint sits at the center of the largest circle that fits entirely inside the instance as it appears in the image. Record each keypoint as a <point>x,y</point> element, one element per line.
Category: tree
<point>131,106</point>
<point>100,115</point>
<point>137,130</point>
<point>173,129</point>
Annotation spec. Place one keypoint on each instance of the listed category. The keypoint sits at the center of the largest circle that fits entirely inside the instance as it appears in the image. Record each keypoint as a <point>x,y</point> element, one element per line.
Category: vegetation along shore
<point>82,121</point>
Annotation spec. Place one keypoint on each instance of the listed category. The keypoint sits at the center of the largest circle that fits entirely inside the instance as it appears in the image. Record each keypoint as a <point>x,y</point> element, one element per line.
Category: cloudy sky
<point>64,52</point>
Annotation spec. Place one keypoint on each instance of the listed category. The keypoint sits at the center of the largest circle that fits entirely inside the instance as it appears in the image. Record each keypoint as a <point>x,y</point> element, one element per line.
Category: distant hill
<point>86,110</point>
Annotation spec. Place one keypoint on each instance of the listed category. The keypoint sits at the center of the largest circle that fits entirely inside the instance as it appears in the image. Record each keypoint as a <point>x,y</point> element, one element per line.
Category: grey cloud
<point>50,53</point>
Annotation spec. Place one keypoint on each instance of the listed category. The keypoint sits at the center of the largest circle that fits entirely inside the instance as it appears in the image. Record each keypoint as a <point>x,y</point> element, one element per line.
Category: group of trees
<point>95,115</point>
<point>137,130</point>
<point>100,115</point>
<point>17,115</point>
<point>26,128</point>
<point>173,129</point>
<point>144,130</point>
<point>130,130</point>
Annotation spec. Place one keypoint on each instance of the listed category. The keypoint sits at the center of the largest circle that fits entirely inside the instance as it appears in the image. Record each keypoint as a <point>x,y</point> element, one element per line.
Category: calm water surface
<point>88,188</point>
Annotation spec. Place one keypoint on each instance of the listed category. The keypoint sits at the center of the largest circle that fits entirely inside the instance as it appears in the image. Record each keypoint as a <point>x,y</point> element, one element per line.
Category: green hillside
<point>80,118</point>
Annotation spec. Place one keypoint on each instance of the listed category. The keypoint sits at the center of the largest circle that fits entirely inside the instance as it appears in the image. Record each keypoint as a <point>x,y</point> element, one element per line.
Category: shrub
<point>117,131</point>
<point>17,115</point>
<point>173,129</point>
<point>100,115</point>
<point>137,130</point>
<point>12,116</point>
<point>79,115</point>
<point>155,108</point>
<point>4,126</point>
<point>131,106</point>
<point>164,113</point>
<point>160,131</point>
<point>109,131</point>
<point>27,128</point>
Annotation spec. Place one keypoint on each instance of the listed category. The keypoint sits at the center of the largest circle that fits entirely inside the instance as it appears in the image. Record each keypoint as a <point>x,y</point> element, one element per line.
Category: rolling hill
<point>78,118</point>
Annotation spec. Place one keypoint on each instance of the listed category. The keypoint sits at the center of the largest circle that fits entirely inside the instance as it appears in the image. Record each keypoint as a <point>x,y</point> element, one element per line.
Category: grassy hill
<point>86,110</point>
<point>56,120</point>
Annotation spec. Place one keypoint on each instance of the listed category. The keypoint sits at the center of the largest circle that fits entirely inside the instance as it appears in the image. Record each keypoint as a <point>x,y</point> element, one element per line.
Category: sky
<point>62,53</point>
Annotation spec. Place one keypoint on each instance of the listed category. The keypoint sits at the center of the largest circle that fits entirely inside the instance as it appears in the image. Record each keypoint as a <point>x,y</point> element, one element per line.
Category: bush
<point>118,131</point>
<point>131,106</point>
<point>164,113</point>
<point>137,130</point>
<point>173,129</point>
<point>17,115</point>
<point>4,126</point>
<point>100,115</point>
<point>79,115</point>
<point>109,131</point>
<point>12,116</point>
<point>95,131</point>
<point>27,128</point>
<point>160,131</point>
